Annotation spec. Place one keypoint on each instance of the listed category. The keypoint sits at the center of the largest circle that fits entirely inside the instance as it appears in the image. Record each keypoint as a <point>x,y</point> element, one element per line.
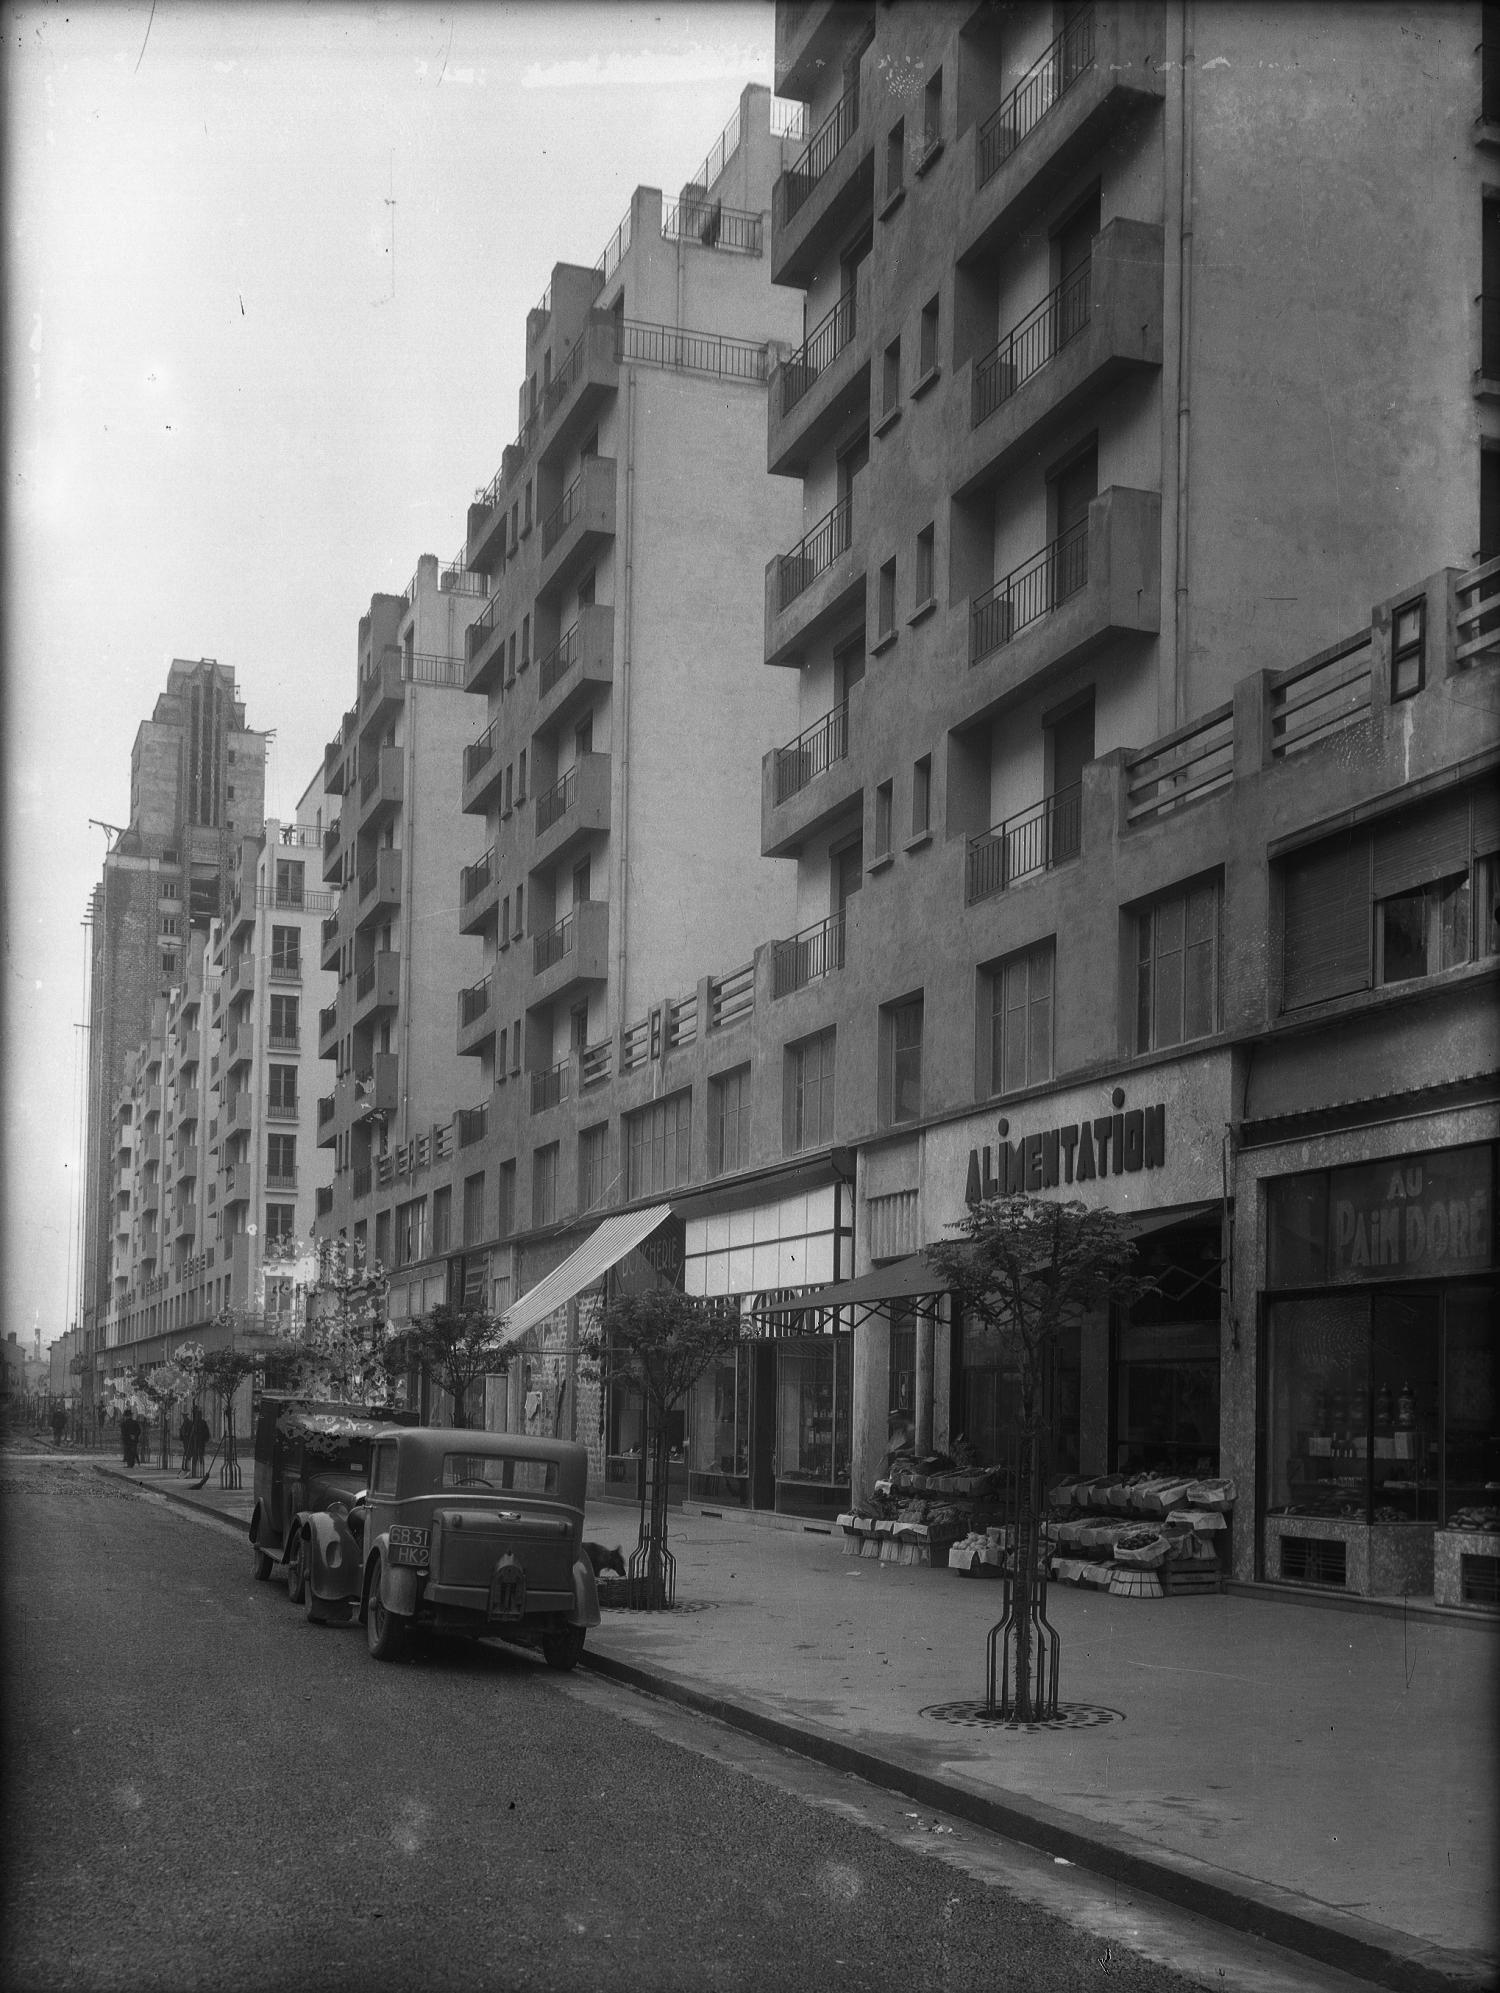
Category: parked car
<point>471,1533</point>
<point>310,1460</point>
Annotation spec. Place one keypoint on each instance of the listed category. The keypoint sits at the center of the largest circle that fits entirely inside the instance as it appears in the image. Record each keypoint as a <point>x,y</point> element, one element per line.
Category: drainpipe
<point>408,865</point>
<point>620,818</point>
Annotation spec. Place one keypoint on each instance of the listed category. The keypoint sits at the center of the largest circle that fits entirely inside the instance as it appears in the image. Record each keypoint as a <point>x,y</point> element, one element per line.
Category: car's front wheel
<point>562,1647</point>
<point>260,1563</point>
<point>385,1631</point>
<point>297,1573</point>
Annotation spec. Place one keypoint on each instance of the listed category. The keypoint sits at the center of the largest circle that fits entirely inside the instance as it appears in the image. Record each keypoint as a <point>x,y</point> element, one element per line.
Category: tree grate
<point>980,1716</point>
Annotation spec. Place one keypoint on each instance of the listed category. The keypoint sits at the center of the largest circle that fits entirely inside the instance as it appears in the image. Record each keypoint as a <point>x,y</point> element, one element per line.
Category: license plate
<point>507,1590</point>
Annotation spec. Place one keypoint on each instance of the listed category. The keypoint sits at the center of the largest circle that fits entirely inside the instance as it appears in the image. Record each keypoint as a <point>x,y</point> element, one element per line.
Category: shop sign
<point>1424,1214</point>
<point>1077,1152</point>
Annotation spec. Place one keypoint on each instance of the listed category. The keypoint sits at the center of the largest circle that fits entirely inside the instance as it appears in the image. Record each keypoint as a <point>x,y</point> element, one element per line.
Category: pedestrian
<point>185,1434</point>
<point>130,1436</point>
<point>200,1440</point>
<point>59,1424</point>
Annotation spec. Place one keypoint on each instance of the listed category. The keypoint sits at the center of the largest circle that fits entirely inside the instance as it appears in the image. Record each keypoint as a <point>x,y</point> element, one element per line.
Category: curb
<point>177,1495</point>
<point>1262,1910</point>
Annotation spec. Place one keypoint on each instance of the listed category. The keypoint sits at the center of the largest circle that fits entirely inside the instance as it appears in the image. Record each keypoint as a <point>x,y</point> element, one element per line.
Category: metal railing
<point>552,944</point>
<point>818,549</point>
<point>818,351</point>
<point>558,662</point>
<point>1031,343</point>
<point>1048,834</point>
<point>479,752</point>
<point>812,753</point>
<point>1047,81</point>
<point>477,878</point>
<point>328,1017</point>
<point>553,803</point>
<point>549,1088</point>
<point>719,155</point>
<point>817,951</point>
<point>562,515</point>
<point>788,117</point>
<point>484,625</point>
<point>471,1125</point>
<point>689,352</point>
<point>710,223</point>
<point>1029,591</point>
<point>797,183</point>
<point>614,252</point>
<point>474,1001</point>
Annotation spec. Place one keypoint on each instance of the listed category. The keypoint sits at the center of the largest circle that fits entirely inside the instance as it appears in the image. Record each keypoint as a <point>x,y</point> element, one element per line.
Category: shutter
<point>1326,924</point>
<point>1487,817</point>
<point>1421,845</point>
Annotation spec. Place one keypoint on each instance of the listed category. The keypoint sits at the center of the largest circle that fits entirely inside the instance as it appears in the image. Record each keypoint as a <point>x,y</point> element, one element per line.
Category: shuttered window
<point>1418,846</point>
<point>1326,950</point>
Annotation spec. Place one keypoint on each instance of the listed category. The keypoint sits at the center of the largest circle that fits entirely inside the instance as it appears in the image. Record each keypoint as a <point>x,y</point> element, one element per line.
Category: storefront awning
<point>602,1249</point>
<point>1140,1224</point>
<point>909,1279</point>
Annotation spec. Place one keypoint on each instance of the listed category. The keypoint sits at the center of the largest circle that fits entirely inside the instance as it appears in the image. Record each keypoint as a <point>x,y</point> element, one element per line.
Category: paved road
<point>207,1791</point>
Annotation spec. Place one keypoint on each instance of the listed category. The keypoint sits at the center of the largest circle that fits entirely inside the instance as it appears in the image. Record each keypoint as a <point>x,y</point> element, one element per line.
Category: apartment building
<point>197,778</point>
<point>392,858</point>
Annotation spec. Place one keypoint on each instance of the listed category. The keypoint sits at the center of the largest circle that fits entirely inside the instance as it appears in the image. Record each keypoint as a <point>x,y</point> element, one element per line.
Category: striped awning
<point>605,1247</point>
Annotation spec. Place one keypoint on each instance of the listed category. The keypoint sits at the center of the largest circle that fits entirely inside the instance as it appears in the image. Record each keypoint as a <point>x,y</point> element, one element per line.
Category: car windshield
<point>485,1470</point>
<point>329,1456</point>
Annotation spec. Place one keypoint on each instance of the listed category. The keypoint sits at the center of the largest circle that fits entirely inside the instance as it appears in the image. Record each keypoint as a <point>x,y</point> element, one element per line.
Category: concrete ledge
<point>239,1524</point>
<point>1313,1930</point>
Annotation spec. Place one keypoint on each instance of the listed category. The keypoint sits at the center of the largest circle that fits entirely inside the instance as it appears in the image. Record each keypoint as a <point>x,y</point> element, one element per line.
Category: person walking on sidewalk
<point>185,1434</point>
<point>130,1437</point>
<point>200,1439</point>
<point>59,1424</point>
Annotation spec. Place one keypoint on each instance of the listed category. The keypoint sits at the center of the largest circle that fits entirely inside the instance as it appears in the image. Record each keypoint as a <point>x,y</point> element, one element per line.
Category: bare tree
<point>455,1349</point>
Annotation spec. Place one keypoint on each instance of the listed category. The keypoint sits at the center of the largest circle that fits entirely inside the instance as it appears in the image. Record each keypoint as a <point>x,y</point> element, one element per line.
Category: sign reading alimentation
<point>1120,1143</point>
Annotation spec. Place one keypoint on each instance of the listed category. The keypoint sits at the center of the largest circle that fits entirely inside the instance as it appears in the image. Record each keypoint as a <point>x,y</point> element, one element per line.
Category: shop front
<point>1378,1431</point>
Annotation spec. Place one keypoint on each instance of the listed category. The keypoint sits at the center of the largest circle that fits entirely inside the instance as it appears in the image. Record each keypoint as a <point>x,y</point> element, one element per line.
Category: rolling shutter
<point>1326,921</point>
<point>1487,817</point>
<point>1418,846</point>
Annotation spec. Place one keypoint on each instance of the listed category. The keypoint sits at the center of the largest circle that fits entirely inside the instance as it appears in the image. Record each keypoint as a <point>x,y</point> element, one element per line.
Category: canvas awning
<point>1140,1224</point>
<point>605,1247</point>
<point>911,1280</point>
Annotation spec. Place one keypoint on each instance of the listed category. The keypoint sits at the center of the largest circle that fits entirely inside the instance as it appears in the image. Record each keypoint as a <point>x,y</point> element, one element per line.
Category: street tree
<point>344,1344</point>
<point>224,1371</point>
<point>661,1341</point>
<point>455,1349</point>
<point>1027,1269</point>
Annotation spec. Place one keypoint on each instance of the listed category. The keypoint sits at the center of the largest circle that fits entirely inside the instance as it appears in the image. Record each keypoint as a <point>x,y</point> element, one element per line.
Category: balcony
<point>572,809</point>
<point>549,1088</point>
<point>280,1182</point>
<point>377,986</point>
<point>573,952</point>
<point>809,784</point>
<point>328,1030</point>
<point>576,668</point>
<point>241,908</point>
<point>360,1181</point>
<point>1103,323</point>
<point>809,36</point>
<point>578,528</point>
<point>238,1114</point>
<point>1102,71</point>
<point>241,973</point>
<point>1099,581</point>
<point>334,771</point>
<point>819,584</point>
<point>286,965</point>
<point>330,943</point>
<point>478,894</point>
<point>818,199</point>
<point>380,787</point>
<point>326,1132</point>
<point>238,1048</point>
<point>324,1200</point>
<point>333,852</point>
<point>1024,846</point>
<point>476,1018</point>
<point>573,397</point>
<point>381,690</point>
<point>377,1091</point>
<point>817,951</point>
<point>378,893</point>
<point>483,770</point>
<point>817,393</point>
<point>484,644</point>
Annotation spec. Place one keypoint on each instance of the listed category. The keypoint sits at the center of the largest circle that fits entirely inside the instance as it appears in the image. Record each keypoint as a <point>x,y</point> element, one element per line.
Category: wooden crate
<point>1188,1580</point>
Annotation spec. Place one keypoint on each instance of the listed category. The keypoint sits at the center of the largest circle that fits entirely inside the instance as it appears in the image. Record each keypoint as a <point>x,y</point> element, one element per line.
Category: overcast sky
<point>234,414</point>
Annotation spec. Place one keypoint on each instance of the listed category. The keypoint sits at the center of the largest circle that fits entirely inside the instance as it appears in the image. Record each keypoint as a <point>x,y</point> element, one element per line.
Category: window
<point>895,159</point>
<point>656,1143</point>
<point>926,570</point>
<point>886,610</point>
<point>500,1058</point>
<point>280,1221</point>
<point>1177,959</point>
<point>520,929</point>
<point>289,882</point>
<point>474,1209</point>
<point>286,951</point>
<point>526,515</point>
<point>525,635</point>
<point>1408,649</point>
<point>504,940</point>
<point>883,797</point>
<point>515,1036</point>
<point>932,115</point>
<point>281,1161</point>
<point>510,674</point>
<point>510,789</point>
<point>411,1231</point>
<point>170,924</point>
<point>282,1097</point>
<point>809,1092</point>
<point>1020,1020</point>
<point>284,1023</point>
<point>593,1166</point>
<point>848,667</point>
<point>921,796</point>
<point>1408,896</point>
<point>383,1237</point>
<point>729,1121</point>
<point>901,1062</point>
<point>544,1185</point>
<point>442,1218</point>
<point>927,351</point>
<point>521,777</point>
<point>506,1215</point>
<point>890,379</point>
<point>515,524</point>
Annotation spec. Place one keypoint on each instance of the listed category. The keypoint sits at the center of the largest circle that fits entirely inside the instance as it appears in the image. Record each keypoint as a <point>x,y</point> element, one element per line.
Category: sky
<point>267,272</point>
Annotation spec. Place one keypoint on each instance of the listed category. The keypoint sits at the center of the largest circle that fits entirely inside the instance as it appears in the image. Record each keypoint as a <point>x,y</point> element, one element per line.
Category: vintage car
<point>472,1533</point>
<point>311,1461</point>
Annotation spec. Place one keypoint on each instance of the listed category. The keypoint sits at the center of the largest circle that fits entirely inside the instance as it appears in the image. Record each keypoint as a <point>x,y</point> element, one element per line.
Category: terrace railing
<point>1048,80</point>
<point>813,752</point>
<point>1034,840</point>
<point>818,351</point>
<point>1029,591</point>
<point>818,549</point>
<point>1031,343</point>
<point>817,951</point>
<point>823,149</point>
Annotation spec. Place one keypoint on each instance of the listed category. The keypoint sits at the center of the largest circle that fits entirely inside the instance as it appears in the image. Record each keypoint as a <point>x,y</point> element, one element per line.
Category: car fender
<point>399,1584</point>
<point>585,1595</point>
<point>255,1527</point>
<point>335,1555</point>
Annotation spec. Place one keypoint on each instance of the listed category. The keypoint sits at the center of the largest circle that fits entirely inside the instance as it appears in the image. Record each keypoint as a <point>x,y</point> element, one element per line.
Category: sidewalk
<point>1324,1779</point>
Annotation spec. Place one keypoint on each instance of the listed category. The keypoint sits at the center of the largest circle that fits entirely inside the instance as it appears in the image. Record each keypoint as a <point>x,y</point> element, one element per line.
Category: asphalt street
<point>204,1790</point>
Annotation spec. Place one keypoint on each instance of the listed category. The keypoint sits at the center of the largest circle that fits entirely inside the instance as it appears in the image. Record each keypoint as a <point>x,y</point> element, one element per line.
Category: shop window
<point>718,1430</point>
<point>901,1062</point>
<point>593,1166</point>
<point>809,1093</point>
<point>1409,649</point>
<point>813,1375</point>
<point>656,1143</point>
<point>902,1396</point>
<point>729,1121</point>
<point>989,1393</point>
<point>544,1185</point>
<point>1177,963</point>
<point>1020,1019</point>
<point>442,1219</point>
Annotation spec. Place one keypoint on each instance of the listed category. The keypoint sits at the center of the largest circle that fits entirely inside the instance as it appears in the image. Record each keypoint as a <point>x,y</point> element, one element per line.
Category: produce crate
<point>1186,1580</point>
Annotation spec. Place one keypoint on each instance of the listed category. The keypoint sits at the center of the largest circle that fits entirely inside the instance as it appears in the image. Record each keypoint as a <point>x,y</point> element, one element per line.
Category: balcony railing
<point>818,549</point>
<point>812,753</point>
<point>477,878</point>
<point>480,752</point>
<point>692,352</point>
<point>823,149</point>
<point>1028,346</point>
<point>731,997</point>
<point>474,1001</point>
<point>558,662</point>
<point>819,350</point>
<point>470,1125</point>
<point>553,804</point>
<point>362,1182</point>
<point>327,1019</point>
<point>549,1088</point>
<point>817,951</point>
<point>1032,841</point>
<point>614,252</point>
<point>562,515</point>
<point>594,1063</point>
<point>551,945</point>
<point>484,625</point>
<point>325,1199</point>
<point>1047,81</point>
<point>1029,591</point>
<point>326,1104</point>
<point>714,225</point>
